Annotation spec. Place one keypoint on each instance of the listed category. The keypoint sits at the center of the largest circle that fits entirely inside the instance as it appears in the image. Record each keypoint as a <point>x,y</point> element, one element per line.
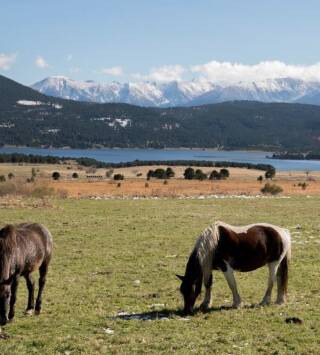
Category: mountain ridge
<point>181,93</point>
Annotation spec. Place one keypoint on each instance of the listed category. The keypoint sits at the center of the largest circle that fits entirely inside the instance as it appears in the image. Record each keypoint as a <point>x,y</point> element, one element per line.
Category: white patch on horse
<point>228,274</point>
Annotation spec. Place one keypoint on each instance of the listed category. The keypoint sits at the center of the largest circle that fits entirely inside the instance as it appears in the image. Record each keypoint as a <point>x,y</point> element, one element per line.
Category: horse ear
<point>180,277</point>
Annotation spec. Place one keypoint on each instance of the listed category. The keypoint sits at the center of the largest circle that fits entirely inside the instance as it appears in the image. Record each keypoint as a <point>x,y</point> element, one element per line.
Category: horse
<point>24,248</point>
<point>240,248</point>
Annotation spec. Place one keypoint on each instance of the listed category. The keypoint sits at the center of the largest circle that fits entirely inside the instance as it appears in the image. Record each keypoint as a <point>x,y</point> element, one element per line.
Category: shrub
<point>160,173</point>
<point>270,174</point>
<point>224,173</point>
<point>119,184</point>
<point>215,175</point>
<point>146,185</point>
<point>55,175</point>
<point>165,182</point>
<point>303,185</point>
<point>33,172</point>
<point>75,176</point>
<point>271,189</point>
<point>118,177</point>
<point>170,173</point>
<point>189,173</point>
<point>10,176</point>
<point>109,173</point>
<point>2,178</point>
<point>200,175</point>
<point>139,174</point>
<point>260,178</point>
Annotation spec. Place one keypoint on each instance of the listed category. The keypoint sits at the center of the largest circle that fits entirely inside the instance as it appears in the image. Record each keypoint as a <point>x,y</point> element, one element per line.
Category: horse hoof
<point>236,305</point>
<point>37,312</point>
<point>204,308</point>
<point>264,303</point>
<point>279,302</point>
<point>29,312</point>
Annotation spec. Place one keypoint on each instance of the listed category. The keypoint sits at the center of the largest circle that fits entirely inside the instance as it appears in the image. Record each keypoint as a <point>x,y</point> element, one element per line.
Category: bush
<point>118,177</point>
<point>165,182</point>
<point>109,173</point>
<point>200,175</point>
<point>215,175</point>
<point>260,178</point>
<point>189,173</point>
<point>10,176</point>
<point>75,176</point>
<point>160,173</point>
<point>224,173</point>
<point>170,173</point>
<point>303,185</point>
<point>55,175</point>
<point>270,174</point>
<point>2,178</point>
<point>119,184</point>
<point>271,189</point>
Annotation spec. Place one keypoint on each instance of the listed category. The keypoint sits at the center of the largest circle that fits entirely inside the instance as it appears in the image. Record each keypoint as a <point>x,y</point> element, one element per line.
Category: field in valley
<point>116,258</point>
<point>93,182</point>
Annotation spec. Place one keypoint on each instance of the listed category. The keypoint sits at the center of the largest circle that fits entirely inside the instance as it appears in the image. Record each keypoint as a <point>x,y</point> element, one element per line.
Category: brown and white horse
<point>228,248</point>
<point>24,248</point>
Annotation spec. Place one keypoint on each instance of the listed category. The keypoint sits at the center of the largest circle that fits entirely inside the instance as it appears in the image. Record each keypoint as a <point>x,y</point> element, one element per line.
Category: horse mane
<point>206,245</point>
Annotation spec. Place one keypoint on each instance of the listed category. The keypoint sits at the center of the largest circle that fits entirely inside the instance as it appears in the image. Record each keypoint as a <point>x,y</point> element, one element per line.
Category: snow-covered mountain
<point>184,93</point>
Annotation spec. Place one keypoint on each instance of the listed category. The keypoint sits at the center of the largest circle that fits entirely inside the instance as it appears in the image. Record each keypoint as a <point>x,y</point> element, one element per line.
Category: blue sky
<point>157,39</point>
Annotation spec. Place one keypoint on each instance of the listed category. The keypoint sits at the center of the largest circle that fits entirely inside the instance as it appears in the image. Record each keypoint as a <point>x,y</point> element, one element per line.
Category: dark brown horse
<point>227,248</point>
<point>23,249</point>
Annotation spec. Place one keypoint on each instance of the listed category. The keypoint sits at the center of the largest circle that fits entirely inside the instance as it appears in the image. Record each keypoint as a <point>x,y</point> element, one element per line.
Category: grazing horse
<point>228,248</point>
<point>23,249</point>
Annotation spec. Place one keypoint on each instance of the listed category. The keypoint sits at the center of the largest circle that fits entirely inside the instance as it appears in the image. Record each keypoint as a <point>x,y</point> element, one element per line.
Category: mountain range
<point>30,118</point>
<point>181,93</point>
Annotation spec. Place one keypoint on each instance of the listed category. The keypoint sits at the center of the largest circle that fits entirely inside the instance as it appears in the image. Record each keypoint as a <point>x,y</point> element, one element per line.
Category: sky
<point>159,40</point>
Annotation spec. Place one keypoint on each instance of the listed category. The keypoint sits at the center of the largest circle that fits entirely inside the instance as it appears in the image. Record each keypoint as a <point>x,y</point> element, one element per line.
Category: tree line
<point>90,162</point>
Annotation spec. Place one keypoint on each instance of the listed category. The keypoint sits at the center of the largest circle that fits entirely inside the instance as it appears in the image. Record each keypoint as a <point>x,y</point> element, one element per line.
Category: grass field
<point>116,256</point>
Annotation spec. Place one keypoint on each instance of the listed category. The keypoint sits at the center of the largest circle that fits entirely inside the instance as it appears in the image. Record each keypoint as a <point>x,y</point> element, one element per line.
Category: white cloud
<point>41,63</point>
<point>114,71</point>
<point>234,72</point>
<point>164,74</point>
<point>6,60</point>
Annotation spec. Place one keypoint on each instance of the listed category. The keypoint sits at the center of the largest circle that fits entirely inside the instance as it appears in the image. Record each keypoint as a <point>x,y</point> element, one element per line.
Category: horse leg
<point>42,280</point>
<point>228,274</point>
<point>30,286</point>
<point>273,267</point>
<point>282,280</point>
<point>13,298</point>
<point>207,279</point>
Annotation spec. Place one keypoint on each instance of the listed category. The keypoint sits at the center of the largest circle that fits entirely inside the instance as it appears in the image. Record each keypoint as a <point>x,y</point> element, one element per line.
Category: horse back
<point>248,249</point>
<point>34,244</point>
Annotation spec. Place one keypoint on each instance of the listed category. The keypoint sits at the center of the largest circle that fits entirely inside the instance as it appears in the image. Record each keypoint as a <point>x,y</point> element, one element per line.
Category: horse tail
<point>283,274</point>
<point>283,270</point>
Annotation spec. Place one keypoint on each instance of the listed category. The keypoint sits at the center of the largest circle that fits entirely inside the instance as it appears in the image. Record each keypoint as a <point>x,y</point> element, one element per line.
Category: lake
<point>124,155</point>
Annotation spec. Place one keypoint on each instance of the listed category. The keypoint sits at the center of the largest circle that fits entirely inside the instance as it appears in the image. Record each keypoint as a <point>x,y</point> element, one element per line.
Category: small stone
<point>108,330</point>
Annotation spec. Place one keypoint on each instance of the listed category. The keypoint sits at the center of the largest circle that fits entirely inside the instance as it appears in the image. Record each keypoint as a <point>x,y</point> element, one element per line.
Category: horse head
<point>190,289</point>
<point>7,245</point>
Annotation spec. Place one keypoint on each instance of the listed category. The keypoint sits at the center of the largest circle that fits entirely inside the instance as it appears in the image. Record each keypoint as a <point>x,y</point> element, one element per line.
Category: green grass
<point>103,247</point>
